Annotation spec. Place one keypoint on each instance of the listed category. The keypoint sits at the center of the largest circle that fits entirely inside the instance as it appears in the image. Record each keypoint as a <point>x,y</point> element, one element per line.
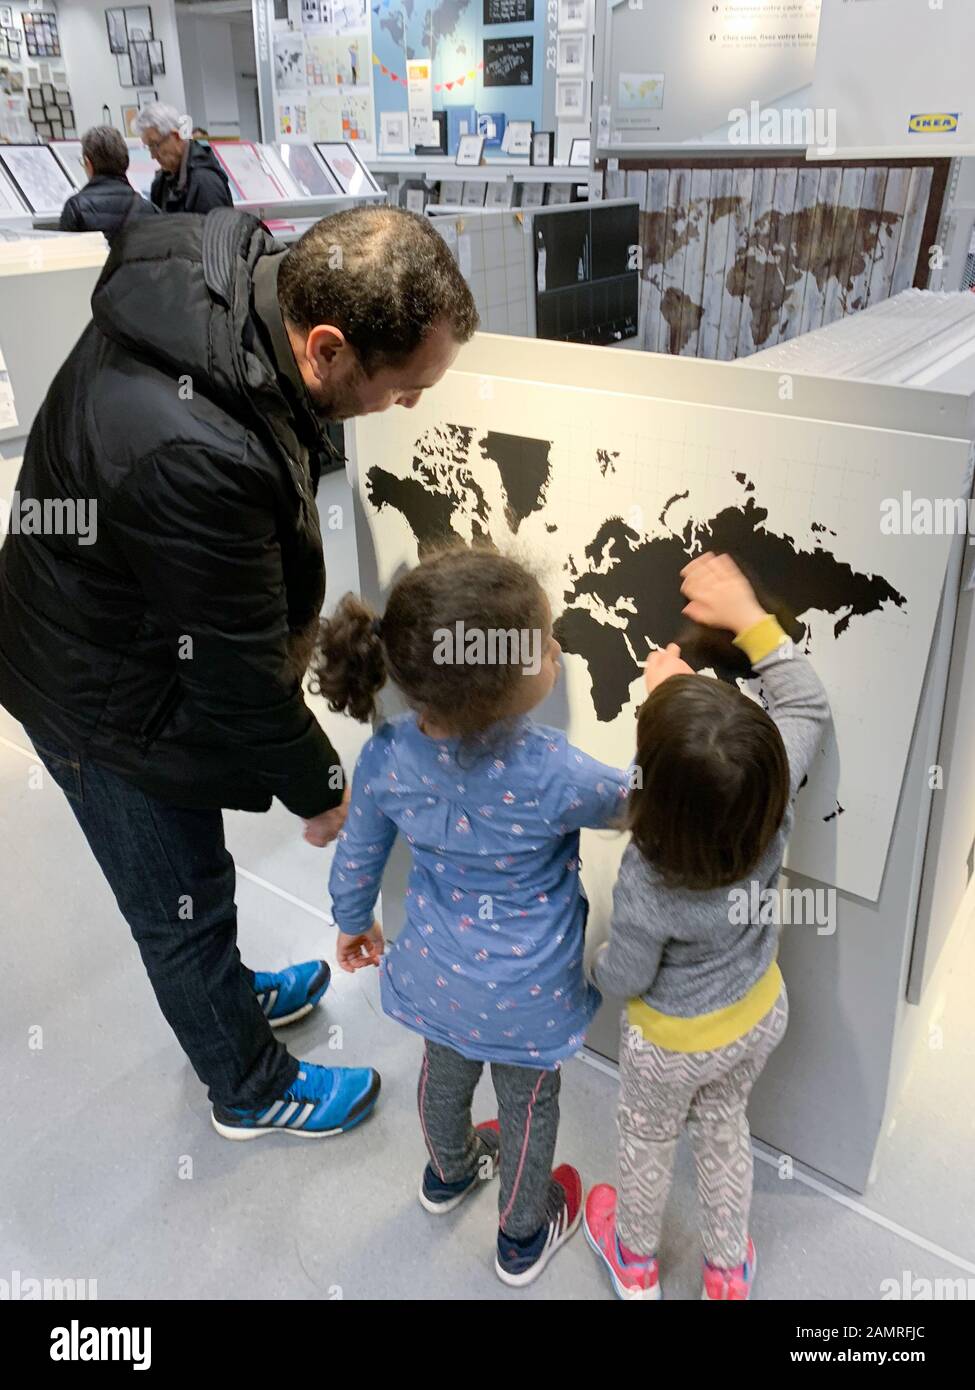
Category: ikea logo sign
<point>934,123</point>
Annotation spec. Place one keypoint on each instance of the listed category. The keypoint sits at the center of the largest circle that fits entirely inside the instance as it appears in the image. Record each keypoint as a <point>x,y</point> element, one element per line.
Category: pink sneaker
<point>720,1284</point>
<point>630,1280</point>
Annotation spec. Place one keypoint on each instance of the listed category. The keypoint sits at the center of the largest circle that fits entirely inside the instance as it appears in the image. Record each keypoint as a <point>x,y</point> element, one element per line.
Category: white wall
<point>245,73</point>
<point>93,71</point>
<point>210,73</point>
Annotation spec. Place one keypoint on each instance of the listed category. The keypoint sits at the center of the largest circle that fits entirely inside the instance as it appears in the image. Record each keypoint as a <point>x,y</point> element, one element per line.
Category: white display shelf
<point>313,208</point>
<point>493,171</point>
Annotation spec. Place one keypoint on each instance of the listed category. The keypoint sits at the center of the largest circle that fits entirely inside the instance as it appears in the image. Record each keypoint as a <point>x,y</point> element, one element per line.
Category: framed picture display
<point>500,194</point>
<point>37,175</point>
<point>570,97</point>
<point>3,45</point>
<point>533,194</point>
<point>62,96</point>
<point>416,200</point>
<point>470,148</point>
<point>579,154</point>
<point>307,170</point>
<point>558,193</point>
<point>129,114</point>
<point>138,22</point>
<point>250,178</point>
<point>124,69</point>
<point>475,191</point>
<point>69,156</point>
<point>52,112</point>
<point>118,38</point>
<point>141,65</point>
<point>517,138</point>
<point>439,120</point>
<point>47,93</point>
<point>157,58</point>
<point>542,143</point>
<point>573,15</point>
<point>144,98</point>
<point>36,97</point>
<point>451,192</point>
<point>394,132</point>
<point>491,124</point>
<point>44,131</point>
<point>346,168</point>
<point>6,16</point>
<point>572,55</point>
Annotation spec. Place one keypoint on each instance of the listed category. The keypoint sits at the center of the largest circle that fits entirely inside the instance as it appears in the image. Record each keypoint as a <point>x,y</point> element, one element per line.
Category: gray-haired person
<point>190,178</point>
<point>108,202</point>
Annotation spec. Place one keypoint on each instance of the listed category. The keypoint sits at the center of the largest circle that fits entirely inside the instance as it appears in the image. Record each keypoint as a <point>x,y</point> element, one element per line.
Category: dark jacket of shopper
<point>105,204</point>
<point>170,648</point>
<point>199,185</point>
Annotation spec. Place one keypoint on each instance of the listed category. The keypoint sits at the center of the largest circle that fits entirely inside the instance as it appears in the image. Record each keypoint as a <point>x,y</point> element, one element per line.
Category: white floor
<point>111,1171</point>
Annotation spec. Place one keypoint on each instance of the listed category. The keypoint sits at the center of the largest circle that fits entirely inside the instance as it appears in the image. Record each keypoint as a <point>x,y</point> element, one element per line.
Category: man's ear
<point>322,346</point>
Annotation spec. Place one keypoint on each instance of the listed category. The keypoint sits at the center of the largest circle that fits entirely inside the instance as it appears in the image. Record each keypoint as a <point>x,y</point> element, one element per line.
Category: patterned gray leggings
<point>661,1093</point>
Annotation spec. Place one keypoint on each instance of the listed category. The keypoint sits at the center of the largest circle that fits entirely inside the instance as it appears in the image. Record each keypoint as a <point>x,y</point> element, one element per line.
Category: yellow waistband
<point>705,1032</point>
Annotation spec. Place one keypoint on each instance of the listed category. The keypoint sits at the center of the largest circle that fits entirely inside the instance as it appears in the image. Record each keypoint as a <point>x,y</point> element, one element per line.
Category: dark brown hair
<point>381,275</point>
<point>104,147</point>
<point>715,782</point>
<point>474,586</point>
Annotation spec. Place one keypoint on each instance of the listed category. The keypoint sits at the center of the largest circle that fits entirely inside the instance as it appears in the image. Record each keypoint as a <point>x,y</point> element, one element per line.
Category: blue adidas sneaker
<point>320,1101</point>
<point>287,995</point>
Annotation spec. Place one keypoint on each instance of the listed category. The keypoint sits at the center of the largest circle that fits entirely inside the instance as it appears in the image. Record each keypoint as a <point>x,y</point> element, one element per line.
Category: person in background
<point>190,177</point>
<point>108,201</point>
<point>488,967</point>
<point>199,133</point>
<point>710,819</point>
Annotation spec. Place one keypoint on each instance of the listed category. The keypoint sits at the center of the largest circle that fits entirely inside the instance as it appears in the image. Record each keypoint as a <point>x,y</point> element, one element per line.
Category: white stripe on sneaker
<point>286,1114</point>
<point>270,1113</point>
<point>303,1116</point>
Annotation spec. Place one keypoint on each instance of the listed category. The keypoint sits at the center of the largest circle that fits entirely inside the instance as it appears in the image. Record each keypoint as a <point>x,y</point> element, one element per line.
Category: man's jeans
<point>174,880</point>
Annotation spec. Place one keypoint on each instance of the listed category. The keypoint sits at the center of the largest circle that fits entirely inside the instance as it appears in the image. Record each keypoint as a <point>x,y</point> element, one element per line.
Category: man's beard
<point>343,401</point>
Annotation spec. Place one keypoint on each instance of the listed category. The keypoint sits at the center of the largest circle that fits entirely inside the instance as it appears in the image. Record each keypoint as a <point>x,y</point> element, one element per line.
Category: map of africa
<point>622,595</point>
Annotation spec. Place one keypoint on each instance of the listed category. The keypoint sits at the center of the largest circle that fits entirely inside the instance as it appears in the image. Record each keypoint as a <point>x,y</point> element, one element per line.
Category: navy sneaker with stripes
<point>320,1101</point>
<point>287,995</point>
<point>438,1197</point>
<point>520,1262</point>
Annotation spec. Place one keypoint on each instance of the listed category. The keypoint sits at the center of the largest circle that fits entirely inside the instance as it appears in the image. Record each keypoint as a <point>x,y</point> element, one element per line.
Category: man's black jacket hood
<point>171,648</point>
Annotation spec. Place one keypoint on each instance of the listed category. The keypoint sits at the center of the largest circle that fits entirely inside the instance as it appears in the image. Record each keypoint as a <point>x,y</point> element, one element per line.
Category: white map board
<point>545,469</point>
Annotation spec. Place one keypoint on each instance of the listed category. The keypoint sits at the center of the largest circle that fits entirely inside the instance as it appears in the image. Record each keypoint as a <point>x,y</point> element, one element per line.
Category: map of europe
<point>621,595</point>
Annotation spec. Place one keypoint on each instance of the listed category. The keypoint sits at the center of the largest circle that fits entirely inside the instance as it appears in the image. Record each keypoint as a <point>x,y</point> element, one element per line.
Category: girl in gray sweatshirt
<point>694,932</point>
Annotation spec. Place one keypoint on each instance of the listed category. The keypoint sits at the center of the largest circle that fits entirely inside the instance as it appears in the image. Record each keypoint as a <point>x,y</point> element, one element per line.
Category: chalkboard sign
<point>509,11</point>
<point>508,62</point>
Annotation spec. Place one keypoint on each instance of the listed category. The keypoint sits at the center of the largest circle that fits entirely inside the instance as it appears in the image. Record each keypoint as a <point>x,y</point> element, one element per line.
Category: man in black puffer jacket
<point>190,178</point>
<point>155,656</point>
<point>108,202</point>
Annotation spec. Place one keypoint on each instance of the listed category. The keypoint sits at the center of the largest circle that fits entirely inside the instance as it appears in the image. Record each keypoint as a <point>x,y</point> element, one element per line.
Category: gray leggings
<point>528,1115</point>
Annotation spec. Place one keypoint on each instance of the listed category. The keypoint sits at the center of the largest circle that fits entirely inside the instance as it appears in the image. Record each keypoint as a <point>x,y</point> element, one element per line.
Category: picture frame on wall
<point>533,194</point>
<point>500,194</point>
<point>470,148</point>
<point>571,59</point>
<point>43,130</point>
<point>118,38</point>
<point>36,97</point>
<point>62,96</point>
<point>542,145</point>
<point>4,52</point>
<point>124,69</point>
<point>141,65</point>
<point>570,98</point>
<point>138,22</point>
<point>47,93</point>
<point>579,153</point>
<point>439,119</point>
<point>394,132</point>
<point>157,58</point>
<point>6,16</point>
<point>13,49</point>
<point>573,15</point>
<point>129,114</point>
<point>144,98</point>
<point>475,192</point>
<point>517,138</point>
